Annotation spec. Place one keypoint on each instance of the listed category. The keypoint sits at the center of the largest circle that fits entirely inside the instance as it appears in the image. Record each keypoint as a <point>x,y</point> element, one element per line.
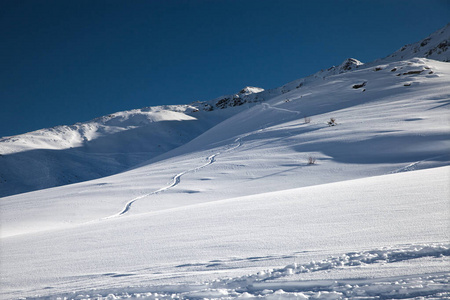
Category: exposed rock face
<point>349,64</point>
<point>248,94</point>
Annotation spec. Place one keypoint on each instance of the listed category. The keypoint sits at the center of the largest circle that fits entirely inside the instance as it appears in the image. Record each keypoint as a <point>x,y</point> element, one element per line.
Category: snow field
<point>262,231</point>
<point>283,284</point>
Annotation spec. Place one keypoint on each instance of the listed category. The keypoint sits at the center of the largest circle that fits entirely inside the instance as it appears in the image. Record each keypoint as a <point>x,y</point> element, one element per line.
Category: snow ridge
<point>436,46</point>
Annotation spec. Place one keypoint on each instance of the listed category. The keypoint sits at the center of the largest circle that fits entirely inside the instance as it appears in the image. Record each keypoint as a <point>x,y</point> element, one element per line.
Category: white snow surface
<point>235,208</point>
<point>296,240</point>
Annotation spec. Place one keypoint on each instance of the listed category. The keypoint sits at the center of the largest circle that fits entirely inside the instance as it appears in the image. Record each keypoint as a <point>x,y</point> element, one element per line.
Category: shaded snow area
<point>332,186</point>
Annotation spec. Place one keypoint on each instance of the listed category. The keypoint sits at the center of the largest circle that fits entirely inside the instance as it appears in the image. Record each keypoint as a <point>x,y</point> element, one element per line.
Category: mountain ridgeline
<point>118,142</point>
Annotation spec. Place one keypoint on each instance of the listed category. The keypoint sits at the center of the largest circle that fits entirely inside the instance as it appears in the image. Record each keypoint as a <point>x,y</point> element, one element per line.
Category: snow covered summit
<point>347,65</point>
<point>250,90</point>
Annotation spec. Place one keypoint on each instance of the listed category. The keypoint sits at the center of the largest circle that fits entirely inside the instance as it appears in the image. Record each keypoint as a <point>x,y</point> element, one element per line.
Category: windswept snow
<point>251,195</point>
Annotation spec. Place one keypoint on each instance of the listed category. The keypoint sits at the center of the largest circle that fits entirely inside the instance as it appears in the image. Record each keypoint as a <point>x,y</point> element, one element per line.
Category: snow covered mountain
<point>109,144</point>
<point>117,142</point>
<point>433,47</point>
<point>101,147</point>
<point>332,186</point>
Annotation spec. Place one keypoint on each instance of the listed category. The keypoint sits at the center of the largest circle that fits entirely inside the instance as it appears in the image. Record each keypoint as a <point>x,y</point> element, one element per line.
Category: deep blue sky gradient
<point>64,61</point>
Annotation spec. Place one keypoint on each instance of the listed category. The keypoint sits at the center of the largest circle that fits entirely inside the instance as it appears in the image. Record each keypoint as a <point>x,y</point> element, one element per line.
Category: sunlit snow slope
<point>332,186</point>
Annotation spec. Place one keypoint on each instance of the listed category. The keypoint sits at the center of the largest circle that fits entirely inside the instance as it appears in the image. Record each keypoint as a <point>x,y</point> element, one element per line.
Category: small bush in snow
<point>311,160</point>
<point>332,122</point>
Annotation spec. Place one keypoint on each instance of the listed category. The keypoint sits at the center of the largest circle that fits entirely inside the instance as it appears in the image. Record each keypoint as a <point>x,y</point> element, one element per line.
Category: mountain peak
<point>250,90</point>
<point>249,94</point>
<point>348,64</point>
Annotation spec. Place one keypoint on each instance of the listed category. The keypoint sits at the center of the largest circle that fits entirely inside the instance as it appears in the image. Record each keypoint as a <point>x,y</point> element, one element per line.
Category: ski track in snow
<point>210,160</point>
<point>413,166</point>
<point>286,282</point>
<point>266,105</point>
<point>175,179</point>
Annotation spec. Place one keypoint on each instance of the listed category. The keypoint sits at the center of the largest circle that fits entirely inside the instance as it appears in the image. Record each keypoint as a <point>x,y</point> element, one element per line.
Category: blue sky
<point>65,61</point>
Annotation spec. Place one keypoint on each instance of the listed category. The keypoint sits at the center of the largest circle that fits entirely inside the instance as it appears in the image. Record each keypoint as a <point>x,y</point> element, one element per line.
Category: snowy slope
<point>101,147</point>
<point>388,128</point>
<point>238,211</point>
<point>193,244</point>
